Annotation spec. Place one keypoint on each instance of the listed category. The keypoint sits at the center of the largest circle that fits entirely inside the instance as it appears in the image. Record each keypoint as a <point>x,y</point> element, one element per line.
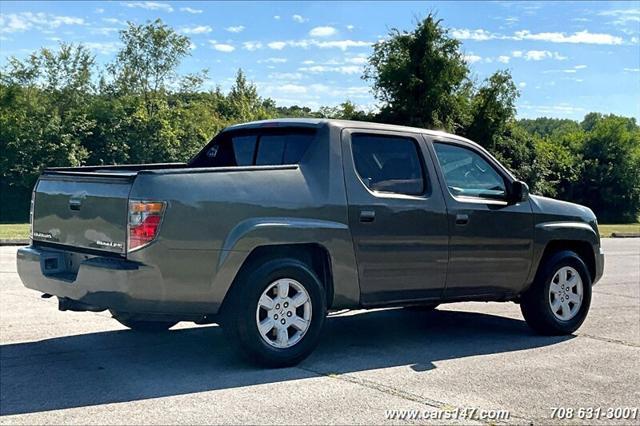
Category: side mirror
<point>519,192</point>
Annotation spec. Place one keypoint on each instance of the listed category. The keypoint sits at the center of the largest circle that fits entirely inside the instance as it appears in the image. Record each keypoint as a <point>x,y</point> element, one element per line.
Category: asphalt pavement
<point>85,368</point>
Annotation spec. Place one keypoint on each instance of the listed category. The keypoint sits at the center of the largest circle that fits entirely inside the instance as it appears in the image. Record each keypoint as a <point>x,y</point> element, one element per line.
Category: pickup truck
<point>274,223</point>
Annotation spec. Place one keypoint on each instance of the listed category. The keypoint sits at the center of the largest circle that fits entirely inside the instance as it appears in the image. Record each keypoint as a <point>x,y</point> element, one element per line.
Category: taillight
<point>144,222</point>
<point>33,199</point>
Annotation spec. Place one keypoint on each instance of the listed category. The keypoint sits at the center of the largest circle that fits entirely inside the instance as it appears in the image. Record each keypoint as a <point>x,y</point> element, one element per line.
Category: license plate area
<point>61,265</point>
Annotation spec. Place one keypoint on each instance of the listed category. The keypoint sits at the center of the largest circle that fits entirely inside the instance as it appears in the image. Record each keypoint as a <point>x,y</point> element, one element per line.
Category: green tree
<point>420,77</point>
<point>610,180</point>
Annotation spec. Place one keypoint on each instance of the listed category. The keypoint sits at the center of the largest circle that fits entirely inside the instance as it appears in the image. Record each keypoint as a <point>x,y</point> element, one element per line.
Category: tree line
<point>58,109</point>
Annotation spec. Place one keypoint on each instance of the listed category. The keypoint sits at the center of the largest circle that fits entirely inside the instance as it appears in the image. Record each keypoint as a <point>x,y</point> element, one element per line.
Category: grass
<point>607,230</point>
<point>17,231</point>
<point>14,231</point>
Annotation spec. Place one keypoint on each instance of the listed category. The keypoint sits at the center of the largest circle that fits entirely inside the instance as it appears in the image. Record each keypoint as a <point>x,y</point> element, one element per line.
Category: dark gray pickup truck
<point>276,222</point>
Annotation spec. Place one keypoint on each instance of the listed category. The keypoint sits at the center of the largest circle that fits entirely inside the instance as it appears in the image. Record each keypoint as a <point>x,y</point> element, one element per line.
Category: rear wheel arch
<point>315,256</point>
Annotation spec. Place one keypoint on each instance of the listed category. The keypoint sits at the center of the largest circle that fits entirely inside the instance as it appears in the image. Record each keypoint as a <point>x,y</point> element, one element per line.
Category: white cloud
<point>340,44</point>
<point>308,62</point>
<point>114,21</point>
<point>342,69</point>
<point>358,60</point>
<point>517,53</point>
<point>106,48</point>
<point>277,45</point>
<point>299,19</point>
<point>622,16</point>
<point>24,21</point>
<point>190,10</point>
<point>472,59</point>
<point>235,29</point>
<point>99,10</point>
<point>323,31</point>
<point>350,27</point>
<point>292,89</point>
<point>103,30</point>
<point>522,85</point>
<point>572,70</point>
<point>200,29</point>
<point>477,35</point>
<point>222,47</point>
<point>276,17</point>
<point>322,44</point>
<point>252,45</point>
<point>632,69</point>
<point>582,37</point>
<point>150,5</point>
<point>537,55</point>
<point>504,59</point>
<point>273,60</point>
<point>286,76</point>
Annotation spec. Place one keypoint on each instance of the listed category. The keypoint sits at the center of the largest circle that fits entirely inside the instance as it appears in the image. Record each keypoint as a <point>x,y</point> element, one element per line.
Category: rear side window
<point>257,147</point>
<point>389,164</point>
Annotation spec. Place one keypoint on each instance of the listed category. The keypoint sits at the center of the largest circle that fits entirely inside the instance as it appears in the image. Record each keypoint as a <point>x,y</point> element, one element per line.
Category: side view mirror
<point>519,192</point>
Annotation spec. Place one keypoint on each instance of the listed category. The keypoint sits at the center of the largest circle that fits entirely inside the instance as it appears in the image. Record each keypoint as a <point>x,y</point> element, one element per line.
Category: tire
<point>246,307</point>
<point>130,321</point>
<point>541,300</point>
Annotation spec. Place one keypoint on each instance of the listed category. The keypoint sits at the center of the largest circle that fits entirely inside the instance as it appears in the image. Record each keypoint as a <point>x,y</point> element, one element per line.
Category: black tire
<point>137,324</point>
<point>239,313</point>
<point>535,304</point>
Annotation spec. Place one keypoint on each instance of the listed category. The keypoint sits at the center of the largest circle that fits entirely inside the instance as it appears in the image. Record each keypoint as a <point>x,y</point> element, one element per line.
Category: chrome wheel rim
<point>565,293</point>
<point>283,314</point>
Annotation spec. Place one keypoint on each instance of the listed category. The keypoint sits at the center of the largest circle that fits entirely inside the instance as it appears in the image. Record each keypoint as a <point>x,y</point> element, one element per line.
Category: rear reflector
<point>144,222</point>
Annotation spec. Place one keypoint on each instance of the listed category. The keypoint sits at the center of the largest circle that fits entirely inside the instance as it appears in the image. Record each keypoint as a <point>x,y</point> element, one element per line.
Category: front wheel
<point>137,324</point>
<point>558,301</point>
<point>275,313</point>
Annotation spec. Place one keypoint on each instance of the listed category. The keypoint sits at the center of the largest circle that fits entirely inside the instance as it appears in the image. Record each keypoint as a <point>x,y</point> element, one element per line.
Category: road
<point>84,368</point>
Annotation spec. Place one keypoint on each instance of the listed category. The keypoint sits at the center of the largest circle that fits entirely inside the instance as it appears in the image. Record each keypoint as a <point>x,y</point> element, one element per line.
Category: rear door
<point>397,219</point>
<point>491,240</point>
<point>83,210</point>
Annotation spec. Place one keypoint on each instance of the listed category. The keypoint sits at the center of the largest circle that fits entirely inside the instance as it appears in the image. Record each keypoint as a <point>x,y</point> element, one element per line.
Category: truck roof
<point>318,122</point>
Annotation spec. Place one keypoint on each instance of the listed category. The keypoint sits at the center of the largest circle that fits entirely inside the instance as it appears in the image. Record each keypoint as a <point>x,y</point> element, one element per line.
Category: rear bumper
<point>105,282</point>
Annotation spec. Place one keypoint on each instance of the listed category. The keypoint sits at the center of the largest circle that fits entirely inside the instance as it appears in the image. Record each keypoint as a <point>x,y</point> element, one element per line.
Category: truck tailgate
<point>83,210</point>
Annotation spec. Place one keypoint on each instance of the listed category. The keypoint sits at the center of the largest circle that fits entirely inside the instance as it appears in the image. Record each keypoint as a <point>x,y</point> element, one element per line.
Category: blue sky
<point>567,58</point>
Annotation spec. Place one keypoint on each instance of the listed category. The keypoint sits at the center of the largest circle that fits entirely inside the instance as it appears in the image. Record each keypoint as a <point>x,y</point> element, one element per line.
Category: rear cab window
<point>255,147</point>
<point>389,164</point>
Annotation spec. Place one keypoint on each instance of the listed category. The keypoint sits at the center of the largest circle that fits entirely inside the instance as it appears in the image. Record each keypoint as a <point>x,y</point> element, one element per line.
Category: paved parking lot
<point>66,367</point>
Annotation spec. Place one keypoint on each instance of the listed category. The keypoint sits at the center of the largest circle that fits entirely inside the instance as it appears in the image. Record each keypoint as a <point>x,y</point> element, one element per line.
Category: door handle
<point>367,216</point>
<point>462,219</point>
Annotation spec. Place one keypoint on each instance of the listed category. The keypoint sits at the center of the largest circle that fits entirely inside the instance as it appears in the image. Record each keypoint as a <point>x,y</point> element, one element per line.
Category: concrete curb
<point>14,242</point>
<point>626,235</point>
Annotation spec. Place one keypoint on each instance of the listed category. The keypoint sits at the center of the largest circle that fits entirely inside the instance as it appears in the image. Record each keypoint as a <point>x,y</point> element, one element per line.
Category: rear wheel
<point>275,313</point>
<point>559,299</point>
<point>135,323</point>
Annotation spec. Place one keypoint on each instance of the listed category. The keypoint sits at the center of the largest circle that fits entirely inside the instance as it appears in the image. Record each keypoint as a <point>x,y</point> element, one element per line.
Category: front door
<point>491,240</point>
<point>397,216</point>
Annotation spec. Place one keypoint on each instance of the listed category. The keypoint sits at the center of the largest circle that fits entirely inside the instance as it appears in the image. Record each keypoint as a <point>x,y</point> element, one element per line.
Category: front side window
<point>468,174</point>
<point>389,163</point>
<point>255,147</point>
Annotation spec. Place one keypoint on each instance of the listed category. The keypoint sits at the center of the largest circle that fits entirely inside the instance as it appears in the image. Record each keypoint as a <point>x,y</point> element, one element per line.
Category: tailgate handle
<point>74,203</point>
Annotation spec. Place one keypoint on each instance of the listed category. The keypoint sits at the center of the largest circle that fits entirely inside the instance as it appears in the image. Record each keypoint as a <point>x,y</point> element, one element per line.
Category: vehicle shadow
<point>119,366</point>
